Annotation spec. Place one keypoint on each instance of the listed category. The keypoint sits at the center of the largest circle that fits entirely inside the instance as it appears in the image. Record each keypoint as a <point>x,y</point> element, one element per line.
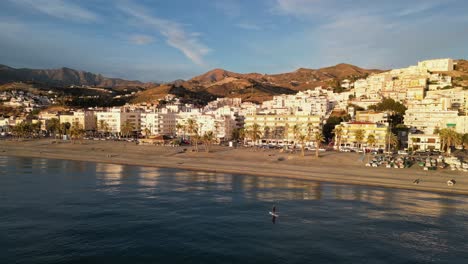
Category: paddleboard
<point>273,214</point>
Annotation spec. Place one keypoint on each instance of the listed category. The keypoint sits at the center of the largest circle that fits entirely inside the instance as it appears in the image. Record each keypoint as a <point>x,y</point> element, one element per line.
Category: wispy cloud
<point>60,9</point>
<point>176,36</point>
<point>298,7</point>
<point>412,10</point>
<point>141,39</point>
<point>230,8</point>
<point>248,26</point>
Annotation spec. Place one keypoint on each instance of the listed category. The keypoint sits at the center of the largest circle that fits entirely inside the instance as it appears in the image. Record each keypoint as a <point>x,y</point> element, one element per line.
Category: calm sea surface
<point>56,211</point>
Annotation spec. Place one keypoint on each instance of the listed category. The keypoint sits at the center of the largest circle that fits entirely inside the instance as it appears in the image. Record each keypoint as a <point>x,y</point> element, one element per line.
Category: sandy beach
<point>332,166</point>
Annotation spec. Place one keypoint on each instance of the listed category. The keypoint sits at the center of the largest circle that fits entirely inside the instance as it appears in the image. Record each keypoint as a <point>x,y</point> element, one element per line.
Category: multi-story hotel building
<point>116,117</point>
<point>84,118</point>
<point>279,129</point>
<point>348,136</point>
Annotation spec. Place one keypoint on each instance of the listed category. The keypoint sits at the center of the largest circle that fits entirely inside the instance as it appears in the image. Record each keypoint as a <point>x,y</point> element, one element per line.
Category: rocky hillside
<point>63,77</point>
<point>460,74</point>
<point>256,87</point>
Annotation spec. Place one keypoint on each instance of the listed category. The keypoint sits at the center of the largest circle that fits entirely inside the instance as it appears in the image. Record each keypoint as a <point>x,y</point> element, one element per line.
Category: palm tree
<point>208,139</point>
<point>338,131</point>
<point>450,137</point>
<point>359,136</point>
<point>192,129</point>
<point>464,141</point>
<point>76,132</point>
<point>254,133</point>
<point>147,132</point>
<point>242,134</point>
<point>302,139</point>
<point>36,128</point>
<point>126,128</point>
<point>318,138</point>
<point>53,126</point>
<point>180,128</point>
<point>103,127</point>
<point>371,140</point>
<point>391,140</point>
<point>64,127</point>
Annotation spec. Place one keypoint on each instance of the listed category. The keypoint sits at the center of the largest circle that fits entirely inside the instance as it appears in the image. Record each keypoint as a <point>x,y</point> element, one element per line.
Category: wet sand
<point>331,166</point>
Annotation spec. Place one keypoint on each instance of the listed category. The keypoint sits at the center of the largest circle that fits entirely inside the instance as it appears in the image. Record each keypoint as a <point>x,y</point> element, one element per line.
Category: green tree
<point>371,140</point>
<point>301,137</point>
<point>103,127</point>
<point>192,129</point>
<point>338,131</point>
<point>359,136</point>
<point>53,126</point>
<point>254,133</point>
<point>208,139</point>
<point>330,125</point>
<point>180,130</point>
<point>318,139</point>
<point>464,140</point>
<point>76,132</point>
<point>147,132</point>
<point>64,128</point>
<point>126,129</point>
<point>450,138</point>
<point>391,140</point>
<point>36,128</point>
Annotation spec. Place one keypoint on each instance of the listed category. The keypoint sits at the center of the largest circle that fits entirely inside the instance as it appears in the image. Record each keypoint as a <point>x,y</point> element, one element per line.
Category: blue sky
<point>166,40</point>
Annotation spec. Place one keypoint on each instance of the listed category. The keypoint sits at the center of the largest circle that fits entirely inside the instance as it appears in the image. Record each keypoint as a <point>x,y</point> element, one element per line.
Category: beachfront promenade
<point>330,167</point>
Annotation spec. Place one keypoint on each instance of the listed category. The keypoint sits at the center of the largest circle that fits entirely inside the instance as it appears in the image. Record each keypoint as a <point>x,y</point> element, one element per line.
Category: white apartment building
<point>221,126</point>
<point>424,142</point>
<point>428,114</point>
<point>437,65</point>
<point>310,102</point>
<point>116,117</point>
<point>279,129</point>
<point>438,81</point>
<point>457,98</point>
<point>405,83</point>
<point>372,116</point>
<point>162,122</point>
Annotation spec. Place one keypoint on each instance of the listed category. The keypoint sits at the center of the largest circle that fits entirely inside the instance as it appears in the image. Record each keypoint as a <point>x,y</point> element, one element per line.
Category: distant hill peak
<point>63,77</point>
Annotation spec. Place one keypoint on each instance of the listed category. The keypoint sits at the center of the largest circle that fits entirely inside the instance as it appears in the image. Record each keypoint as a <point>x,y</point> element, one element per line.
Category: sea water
<point>58,211</point>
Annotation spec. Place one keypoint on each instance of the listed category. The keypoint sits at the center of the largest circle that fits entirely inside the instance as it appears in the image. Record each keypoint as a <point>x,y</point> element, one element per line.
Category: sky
<point>162,40</point>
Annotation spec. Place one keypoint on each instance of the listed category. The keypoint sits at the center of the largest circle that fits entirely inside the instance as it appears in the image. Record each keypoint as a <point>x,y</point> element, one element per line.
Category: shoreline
<point>333,167</point>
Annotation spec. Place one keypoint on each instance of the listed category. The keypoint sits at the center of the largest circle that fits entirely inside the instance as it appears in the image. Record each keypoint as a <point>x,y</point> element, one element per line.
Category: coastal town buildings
<point>437,65</point>
<point>424,142</point>
<point>279,129</point>
<point>84,118</point>
<point>116,117</point>
<point>372,116</point>
<point>428,114</point>
<point>310,102</point>
<point>162,122</point>
<point>350,135</point>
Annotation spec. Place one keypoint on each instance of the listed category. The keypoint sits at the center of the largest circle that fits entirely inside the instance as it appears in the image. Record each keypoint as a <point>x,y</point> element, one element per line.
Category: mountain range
<point>63,77</point>
<point>216,83</point>
<point>256,87</point>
